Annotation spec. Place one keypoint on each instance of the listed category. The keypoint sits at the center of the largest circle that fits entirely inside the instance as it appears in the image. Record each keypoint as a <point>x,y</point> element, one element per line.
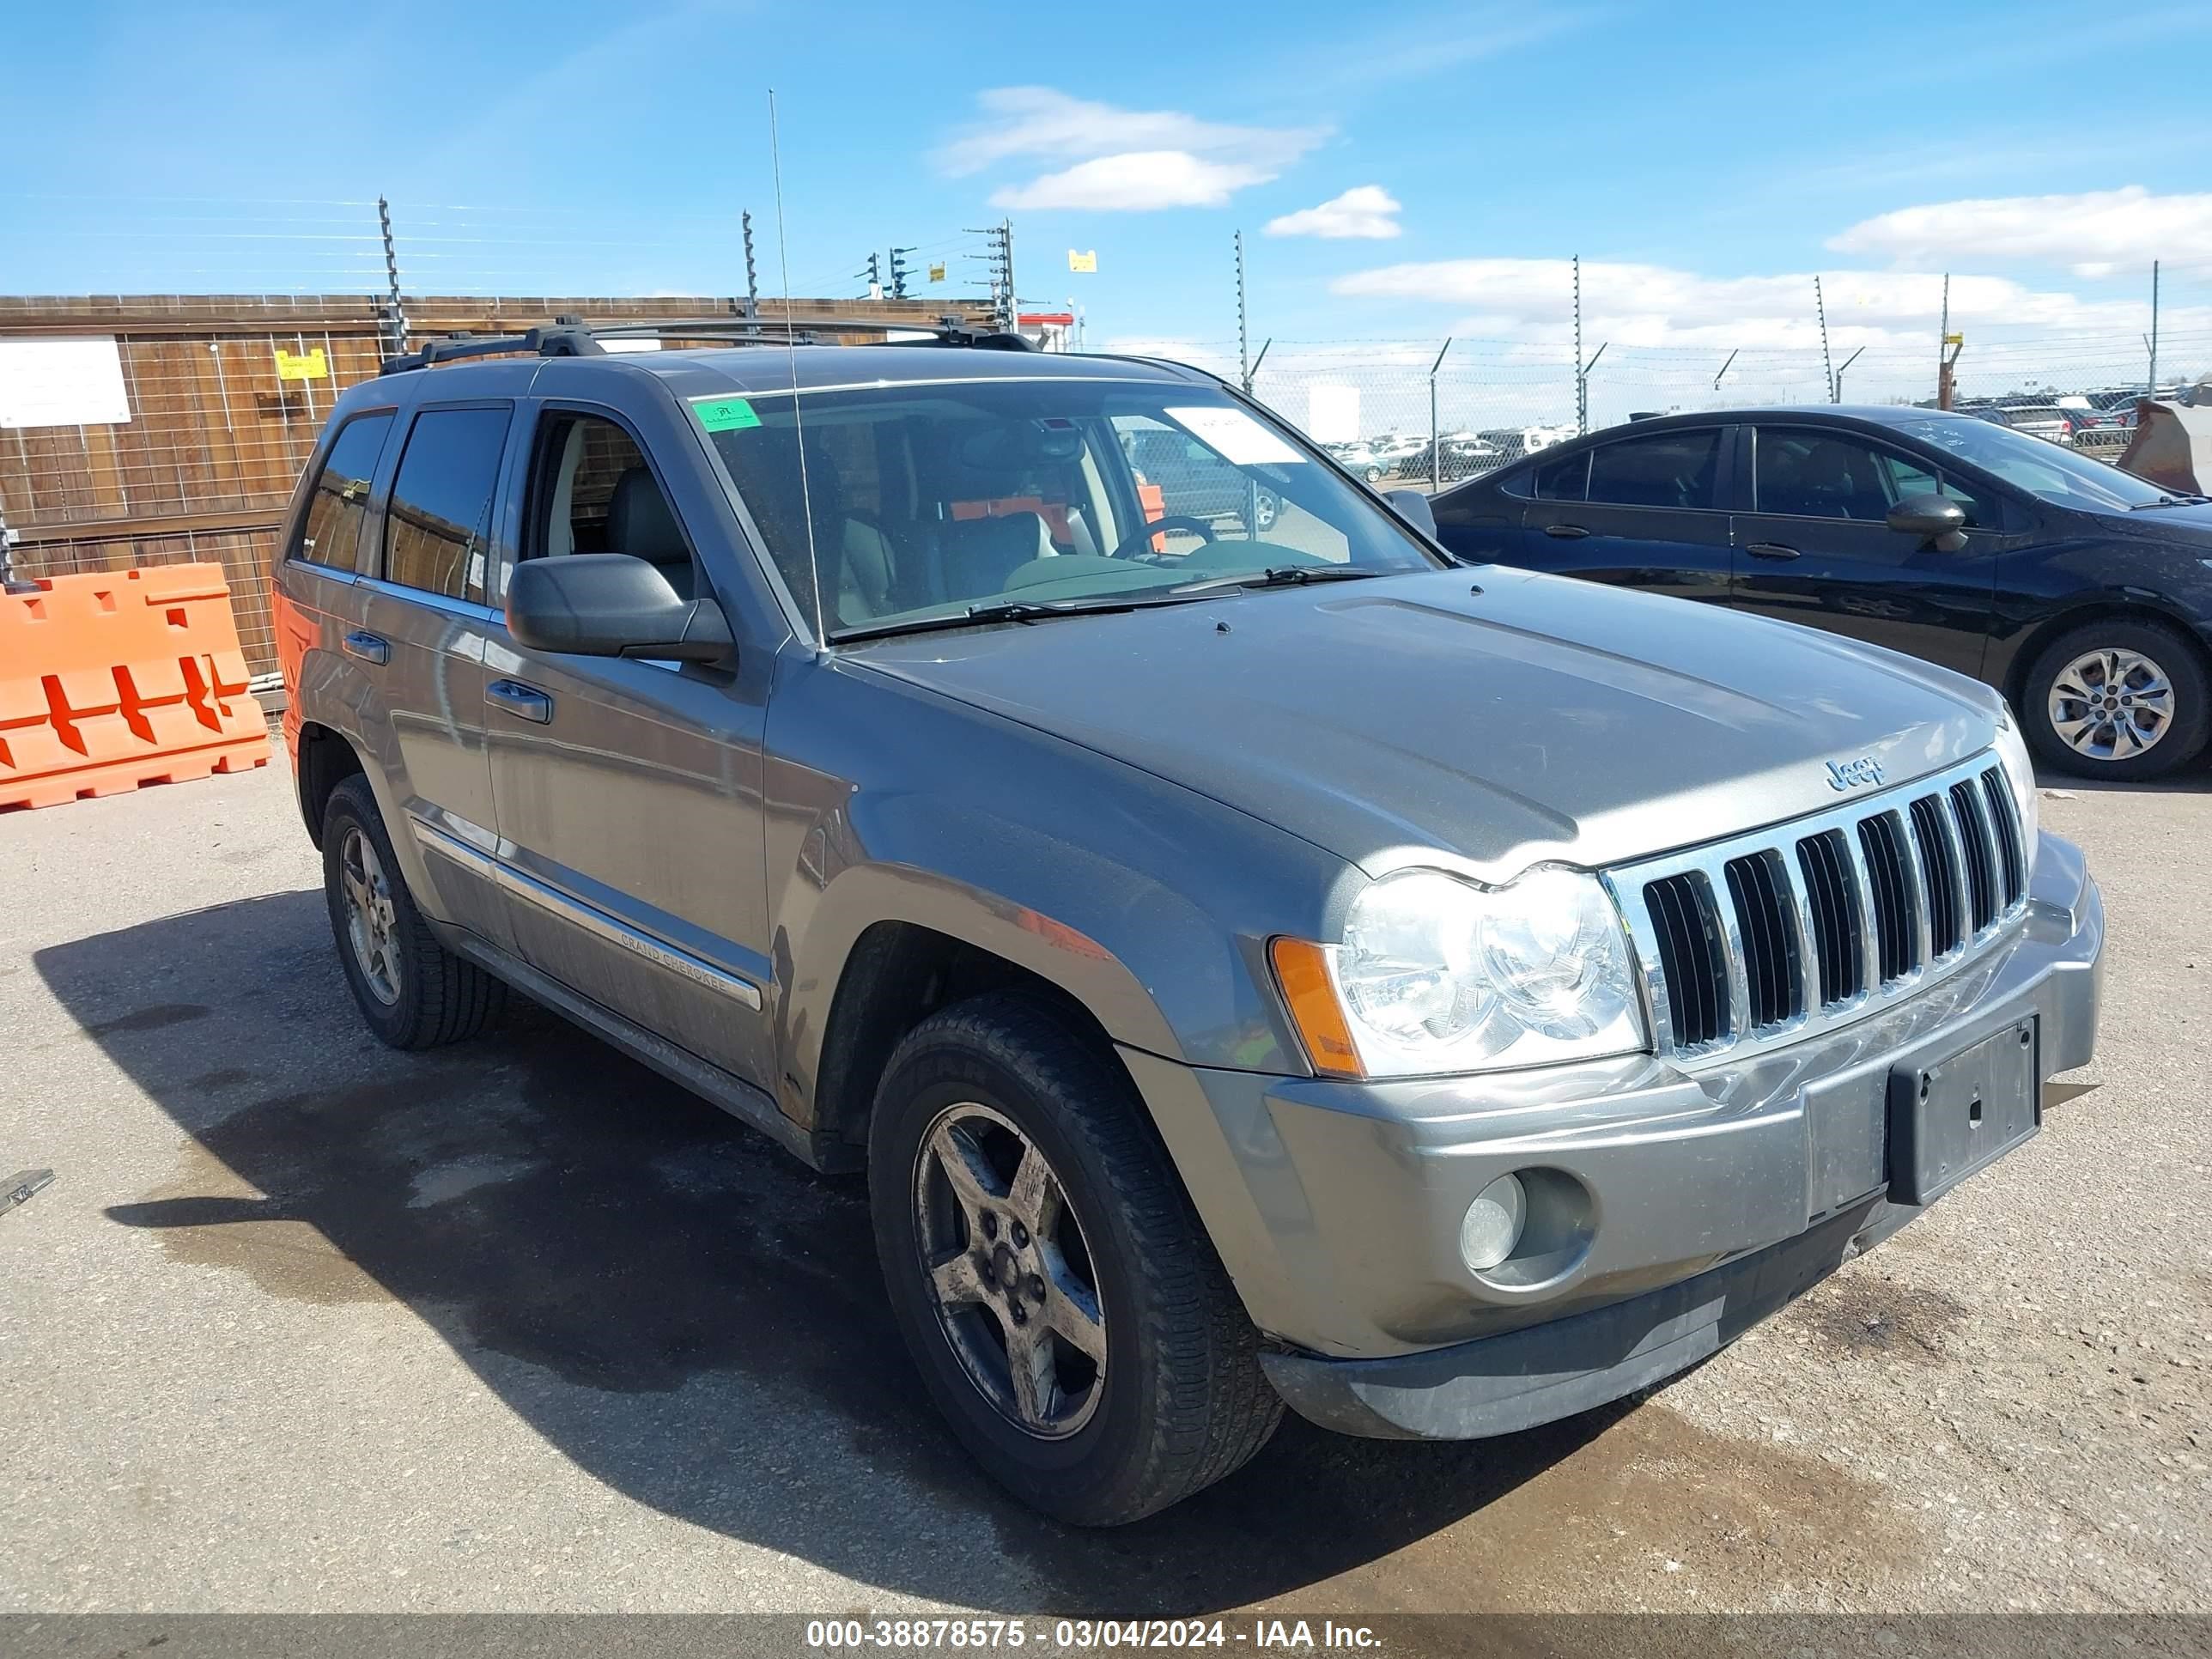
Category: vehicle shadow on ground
<point>675,1304</point>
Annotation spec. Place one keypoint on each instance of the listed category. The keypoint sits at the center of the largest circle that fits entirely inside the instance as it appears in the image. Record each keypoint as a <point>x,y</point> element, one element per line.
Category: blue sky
<point>1703,160</point>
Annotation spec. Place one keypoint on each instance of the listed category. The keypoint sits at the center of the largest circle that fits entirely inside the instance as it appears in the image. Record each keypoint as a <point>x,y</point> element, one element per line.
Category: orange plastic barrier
<point>121,678</point>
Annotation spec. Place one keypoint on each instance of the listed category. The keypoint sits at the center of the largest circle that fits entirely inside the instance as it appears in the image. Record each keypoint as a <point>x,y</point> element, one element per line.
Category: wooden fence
<point>206,461</point>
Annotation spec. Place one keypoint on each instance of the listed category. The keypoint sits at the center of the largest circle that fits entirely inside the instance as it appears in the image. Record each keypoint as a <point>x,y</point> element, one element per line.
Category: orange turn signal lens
<point>1302,969</point>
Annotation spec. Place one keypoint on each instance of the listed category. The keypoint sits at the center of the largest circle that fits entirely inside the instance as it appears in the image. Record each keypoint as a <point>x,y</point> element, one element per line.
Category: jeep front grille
<point>1768,936</point>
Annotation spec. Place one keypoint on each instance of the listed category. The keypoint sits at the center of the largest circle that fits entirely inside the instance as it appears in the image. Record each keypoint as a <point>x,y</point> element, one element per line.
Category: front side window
<point>439,525</point>
<point>1807,473</point>
<point>331,534</point>
<point>917,503</point>
<point>592,492</point>
<point>1666,469</point>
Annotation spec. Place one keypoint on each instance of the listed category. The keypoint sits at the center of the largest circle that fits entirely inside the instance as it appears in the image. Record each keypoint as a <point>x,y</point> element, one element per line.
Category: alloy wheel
<point>2110,704</point>
<point>1009,1271</point>
<point>371,921</point>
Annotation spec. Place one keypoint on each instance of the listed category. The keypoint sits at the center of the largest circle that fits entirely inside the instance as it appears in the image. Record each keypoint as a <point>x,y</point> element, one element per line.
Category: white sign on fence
<point>62,382</point>
<point>1331,412</point>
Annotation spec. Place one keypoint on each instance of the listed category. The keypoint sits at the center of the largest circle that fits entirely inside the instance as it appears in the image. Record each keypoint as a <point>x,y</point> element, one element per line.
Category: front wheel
<point>1066,1311</point>
<point>2118,699</point>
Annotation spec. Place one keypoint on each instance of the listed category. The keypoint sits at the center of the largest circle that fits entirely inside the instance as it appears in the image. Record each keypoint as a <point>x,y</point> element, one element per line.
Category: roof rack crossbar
<point>572,337</point>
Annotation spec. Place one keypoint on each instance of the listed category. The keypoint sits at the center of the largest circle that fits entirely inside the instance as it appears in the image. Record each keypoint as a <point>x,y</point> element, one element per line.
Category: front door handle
<point>527,701</point>
<point>1771,551</point>
<point>1566,533</point>
<point>369,647</point>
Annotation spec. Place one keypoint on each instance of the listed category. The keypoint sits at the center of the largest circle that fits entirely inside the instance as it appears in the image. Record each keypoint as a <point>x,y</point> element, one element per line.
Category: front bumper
<point>1714,1195</point>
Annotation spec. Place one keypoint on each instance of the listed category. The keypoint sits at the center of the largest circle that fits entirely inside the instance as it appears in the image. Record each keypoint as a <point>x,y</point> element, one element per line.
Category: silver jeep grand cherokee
<point>1252,962</point>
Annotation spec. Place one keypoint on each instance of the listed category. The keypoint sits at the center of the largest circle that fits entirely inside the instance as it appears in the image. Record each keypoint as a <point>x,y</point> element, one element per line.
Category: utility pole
<point>1827,363</point>
<point>2152,391</point>
<point>1244,361</point>
<point>395,313</point>
<point>1844,370</point>
<point>1943,344</point>
<point>1582,384</point>
<point>752,277</point>
<point>874,274</point>
<point>999,258</point>
<point>898,272</point>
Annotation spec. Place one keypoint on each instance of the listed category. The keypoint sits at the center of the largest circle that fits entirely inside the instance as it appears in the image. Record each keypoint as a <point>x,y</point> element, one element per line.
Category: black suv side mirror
<point>610,605</point>
<point>1936,519</point>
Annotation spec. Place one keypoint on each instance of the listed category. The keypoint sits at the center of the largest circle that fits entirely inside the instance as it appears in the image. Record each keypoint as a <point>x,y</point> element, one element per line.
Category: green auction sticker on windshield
<point>725,414</point>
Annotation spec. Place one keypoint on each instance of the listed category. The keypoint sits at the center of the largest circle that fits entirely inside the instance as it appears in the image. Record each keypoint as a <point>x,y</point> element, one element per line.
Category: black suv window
<point>331,535</point>
<point>1668,469</point>
<point>436,529</point>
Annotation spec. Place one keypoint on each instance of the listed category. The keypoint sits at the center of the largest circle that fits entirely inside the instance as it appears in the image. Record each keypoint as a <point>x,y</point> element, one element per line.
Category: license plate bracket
<point>1954,1116</point>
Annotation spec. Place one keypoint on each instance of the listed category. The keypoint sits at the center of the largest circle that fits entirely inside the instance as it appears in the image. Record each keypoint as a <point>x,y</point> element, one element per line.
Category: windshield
<point>926,501</point>
<point>2058,474</point>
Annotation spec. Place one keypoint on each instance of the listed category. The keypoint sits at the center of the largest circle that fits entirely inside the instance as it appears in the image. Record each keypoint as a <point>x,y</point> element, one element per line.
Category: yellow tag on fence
<point>307,366</point>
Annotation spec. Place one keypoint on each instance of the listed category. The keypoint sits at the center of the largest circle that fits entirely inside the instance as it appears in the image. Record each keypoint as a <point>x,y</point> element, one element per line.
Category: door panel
<point>1641,512</point>
<point>630,816</point>
<point>1816,550</point>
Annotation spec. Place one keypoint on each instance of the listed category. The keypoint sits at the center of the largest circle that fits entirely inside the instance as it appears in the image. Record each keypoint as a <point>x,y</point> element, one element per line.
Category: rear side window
<point>438,526</point>
<point>1668,469</point>
<point>331,535</point>
<point>1564,480</point>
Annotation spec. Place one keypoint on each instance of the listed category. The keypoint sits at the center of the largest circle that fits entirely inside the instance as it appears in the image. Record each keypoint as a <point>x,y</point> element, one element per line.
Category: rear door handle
<point>527,701</point>
<point>369,647</point>
<point>1566,533</point>
<point>1771,551</point>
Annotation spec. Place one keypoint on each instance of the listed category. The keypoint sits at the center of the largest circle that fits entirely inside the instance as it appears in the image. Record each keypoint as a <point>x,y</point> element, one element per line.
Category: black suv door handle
<point>1771,551</point>
<point>526,701</point>
<point>1566,533</point>
<point>369,647</point>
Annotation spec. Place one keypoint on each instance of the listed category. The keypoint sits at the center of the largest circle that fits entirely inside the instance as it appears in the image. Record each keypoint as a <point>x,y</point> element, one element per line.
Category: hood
<point>1500,716</point>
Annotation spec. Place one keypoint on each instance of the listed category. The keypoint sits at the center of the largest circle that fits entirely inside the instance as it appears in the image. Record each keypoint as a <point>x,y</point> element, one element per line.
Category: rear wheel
<point>2119,698</point>
<point>413,992</point>
<point>1065,1308</point>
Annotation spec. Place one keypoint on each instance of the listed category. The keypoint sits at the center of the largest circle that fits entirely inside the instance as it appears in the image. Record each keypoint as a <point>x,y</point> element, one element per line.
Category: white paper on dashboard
<point>1236,436</point>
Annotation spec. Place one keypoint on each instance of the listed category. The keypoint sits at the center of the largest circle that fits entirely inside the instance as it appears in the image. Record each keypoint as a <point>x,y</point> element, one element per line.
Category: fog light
<point>1492,1226</point>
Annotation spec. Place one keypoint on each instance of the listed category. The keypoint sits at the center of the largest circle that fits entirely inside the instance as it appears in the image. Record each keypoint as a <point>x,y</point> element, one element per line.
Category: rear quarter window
<point>330,534</point>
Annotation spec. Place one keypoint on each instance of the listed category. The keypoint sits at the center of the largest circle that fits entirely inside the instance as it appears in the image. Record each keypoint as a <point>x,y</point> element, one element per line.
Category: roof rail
<point>572,337</point>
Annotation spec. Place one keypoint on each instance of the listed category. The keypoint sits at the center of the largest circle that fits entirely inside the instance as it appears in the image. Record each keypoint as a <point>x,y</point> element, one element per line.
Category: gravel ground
<point>303,1324</point>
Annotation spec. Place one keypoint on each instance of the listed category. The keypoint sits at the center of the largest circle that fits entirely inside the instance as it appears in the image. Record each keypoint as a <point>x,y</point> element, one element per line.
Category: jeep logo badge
<point>1854,774</point>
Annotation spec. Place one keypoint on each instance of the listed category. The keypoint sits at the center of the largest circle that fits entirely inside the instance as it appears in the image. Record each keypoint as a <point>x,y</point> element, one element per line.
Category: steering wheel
<point>1142,537</point>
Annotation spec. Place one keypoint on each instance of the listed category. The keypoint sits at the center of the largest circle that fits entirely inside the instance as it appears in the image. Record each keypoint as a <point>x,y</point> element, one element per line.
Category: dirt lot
<point>303,1324</point>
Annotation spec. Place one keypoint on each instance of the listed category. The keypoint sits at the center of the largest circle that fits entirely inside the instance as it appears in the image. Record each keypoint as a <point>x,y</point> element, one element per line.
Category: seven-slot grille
<point>1763,936</point>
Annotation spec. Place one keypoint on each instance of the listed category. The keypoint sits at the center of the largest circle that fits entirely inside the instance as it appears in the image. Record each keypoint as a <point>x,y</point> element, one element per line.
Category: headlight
<point>1435,974</point>
<point>2019,772</point>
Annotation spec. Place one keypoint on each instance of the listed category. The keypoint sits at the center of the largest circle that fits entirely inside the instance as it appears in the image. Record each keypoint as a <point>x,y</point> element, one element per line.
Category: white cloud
<point>1639,305</point>
<point>1123,159</point>
<point>1365,212</point>
<point>1141,179</point>
<point>2094,233</point>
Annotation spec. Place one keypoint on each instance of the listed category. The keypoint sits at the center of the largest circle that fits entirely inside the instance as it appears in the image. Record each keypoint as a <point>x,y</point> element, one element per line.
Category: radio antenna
<point>791,346</point>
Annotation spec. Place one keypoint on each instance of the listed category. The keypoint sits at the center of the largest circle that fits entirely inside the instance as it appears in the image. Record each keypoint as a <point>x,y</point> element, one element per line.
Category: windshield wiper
<point>1289,575</point>
<point>1006,610</point>
<point>2171,500</point>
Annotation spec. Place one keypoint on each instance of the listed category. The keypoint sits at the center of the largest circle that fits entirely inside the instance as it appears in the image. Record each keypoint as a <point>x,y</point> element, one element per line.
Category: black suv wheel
<point>413,992</point>
<point>2118,699</point>
<point>1066,1310</point>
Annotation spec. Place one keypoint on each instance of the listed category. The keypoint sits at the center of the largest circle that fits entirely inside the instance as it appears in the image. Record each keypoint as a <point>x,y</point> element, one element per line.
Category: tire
<point>413,992</point>
<point>1265,508</point>
<point>2148,653</point>
<point>1179,1400</point>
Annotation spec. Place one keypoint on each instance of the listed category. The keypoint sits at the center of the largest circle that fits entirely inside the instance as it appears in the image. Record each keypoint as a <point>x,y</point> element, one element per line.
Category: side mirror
<point>1936,519</point>
<point>1413,507</point>
<point>610,605</point>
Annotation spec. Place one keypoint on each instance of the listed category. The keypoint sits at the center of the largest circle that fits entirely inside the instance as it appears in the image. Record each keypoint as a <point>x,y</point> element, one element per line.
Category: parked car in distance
<point>2046,421</point>
<point>1278,970</point>
<point>2080,591</point>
